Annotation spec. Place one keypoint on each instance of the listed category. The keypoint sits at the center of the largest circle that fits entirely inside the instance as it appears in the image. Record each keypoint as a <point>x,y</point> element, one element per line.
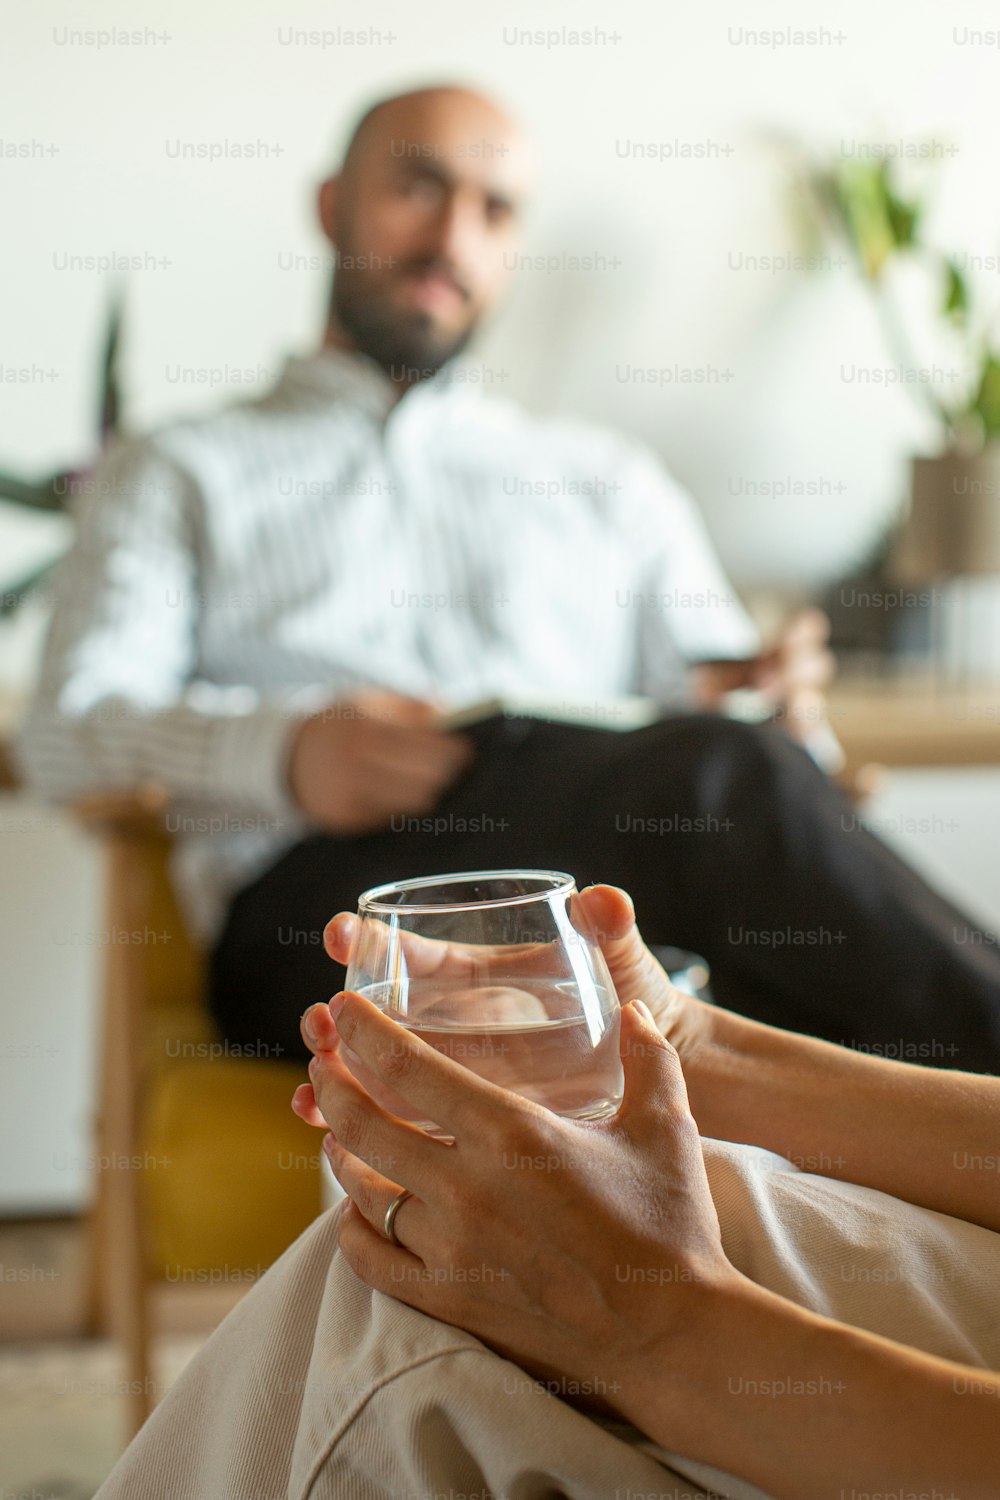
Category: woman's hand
<point>585,1252</point>
<point>602,910</point>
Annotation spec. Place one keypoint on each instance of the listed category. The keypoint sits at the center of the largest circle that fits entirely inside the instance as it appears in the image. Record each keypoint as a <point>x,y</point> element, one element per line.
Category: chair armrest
<point>129,812</point>
<point>9,779</point>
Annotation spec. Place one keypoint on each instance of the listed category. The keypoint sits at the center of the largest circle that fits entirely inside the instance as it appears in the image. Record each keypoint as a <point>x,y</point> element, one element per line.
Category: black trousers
<point>730,841</point>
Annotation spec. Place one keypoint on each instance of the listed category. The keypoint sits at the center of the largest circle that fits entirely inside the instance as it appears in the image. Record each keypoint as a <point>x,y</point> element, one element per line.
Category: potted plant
<point>53,493</point>
<point>953,528</point>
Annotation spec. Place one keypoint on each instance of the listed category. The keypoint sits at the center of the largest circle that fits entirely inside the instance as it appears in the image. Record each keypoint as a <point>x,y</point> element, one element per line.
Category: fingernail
<point>644,1010</point>
<point>336,1006</point>
<point>308,1025</point>
<point>329,1144</point>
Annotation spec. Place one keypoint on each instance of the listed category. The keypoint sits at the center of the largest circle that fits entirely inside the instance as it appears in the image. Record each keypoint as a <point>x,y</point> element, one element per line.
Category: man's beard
<point>406,345</point>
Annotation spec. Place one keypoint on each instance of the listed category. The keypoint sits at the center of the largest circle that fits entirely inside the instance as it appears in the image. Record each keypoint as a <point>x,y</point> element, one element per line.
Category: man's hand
<point>800,662</point>
<point>790,676</point>
<point>370,757</point>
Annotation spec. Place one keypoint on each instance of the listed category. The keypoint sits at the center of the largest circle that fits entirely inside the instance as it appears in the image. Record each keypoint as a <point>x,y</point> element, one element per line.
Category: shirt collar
<point>341,375</point>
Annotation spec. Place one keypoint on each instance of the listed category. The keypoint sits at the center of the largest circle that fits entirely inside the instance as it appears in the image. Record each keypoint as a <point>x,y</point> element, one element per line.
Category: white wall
<point>224,73</point>
<point>947,825</point>
<point>52,941</point>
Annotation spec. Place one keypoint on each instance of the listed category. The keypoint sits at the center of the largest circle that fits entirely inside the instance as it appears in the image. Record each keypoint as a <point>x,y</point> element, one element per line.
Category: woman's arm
<point>923,1134</point>
<point>800,1405</point>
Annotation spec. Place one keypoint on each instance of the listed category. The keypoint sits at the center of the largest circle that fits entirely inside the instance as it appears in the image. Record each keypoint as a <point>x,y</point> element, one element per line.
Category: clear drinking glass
<point>500,970</point>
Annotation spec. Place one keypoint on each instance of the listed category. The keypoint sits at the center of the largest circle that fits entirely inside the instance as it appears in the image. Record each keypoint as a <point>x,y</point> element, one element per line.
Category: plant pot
<point>949,550</point>
<point>953,529</point>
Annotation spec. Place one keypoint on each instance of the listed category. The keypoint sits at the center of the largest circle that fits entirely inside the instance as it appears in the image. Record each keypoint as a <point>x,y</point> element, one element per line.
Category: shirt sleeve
<point>686,608</point>
<point>119,700</point>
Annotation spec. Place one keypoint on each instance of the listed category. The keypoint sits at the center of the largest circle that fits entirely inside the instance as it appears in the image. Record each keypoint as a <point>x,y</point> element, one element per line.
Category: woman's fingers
<point>386,1267</point>
<point>338,935</point>
<point>434,1086</point>
<point>654,1083</point>
<point>606,911</point>
<point>304,1105</point>
<point>399,1151</point>
<point>428,958</point>
<point>425,957</point>
<point>372,1192</point>
<point>636,973</point>
<point>419,1229</point>
<point>317,1029</point>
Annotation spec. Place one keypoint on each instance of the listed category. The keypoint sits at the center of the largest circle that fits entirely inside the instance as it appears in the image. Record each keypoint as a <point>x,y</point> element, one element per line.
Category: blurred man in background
<point>268,610</point>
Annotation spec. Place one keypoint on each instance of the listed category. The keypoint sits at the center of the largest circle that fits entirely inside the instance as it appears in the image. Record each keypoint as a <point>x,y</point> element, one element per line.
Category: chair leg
<point>119,1238</point>
<point>127,1293</point>
<point>95,1320</point>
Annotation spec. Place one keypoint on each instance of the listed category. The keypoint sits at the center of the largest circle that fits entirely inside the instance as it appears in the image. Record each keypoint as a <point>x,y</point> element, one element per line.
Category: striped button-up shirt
<point>235,572</point>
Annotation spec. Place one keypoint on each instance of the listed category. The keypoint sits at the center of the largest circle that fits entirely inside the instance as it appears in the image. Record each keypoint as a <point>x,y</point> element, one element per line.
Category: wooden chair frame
<point>134,839</point>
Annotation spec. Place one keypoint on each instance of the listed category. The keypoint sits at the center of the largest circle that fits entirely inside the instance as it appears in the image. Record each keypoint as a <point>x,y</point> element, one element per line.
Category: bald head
<point>421,114</point>
<point>423,214</point>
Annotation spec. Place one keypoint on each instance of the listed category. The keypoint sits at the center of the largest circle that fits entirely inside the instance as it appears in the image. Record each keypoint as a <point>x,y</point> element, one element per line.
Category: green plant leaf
<point>956,292</point>
<point>903,217</point>
<point>986,402</point>
<point>864,211</point>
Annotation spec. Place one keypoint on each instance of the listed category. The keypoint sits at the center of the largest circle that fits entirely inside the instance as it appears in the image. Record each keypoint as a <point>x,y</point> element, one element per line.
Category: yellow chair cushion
<point>231,1176</point>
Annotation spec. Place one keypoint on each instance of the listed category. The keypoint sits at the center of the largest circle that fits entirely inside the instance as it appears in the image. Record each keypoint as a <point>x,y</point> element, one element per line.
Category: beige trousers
<point>315,1387</point>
